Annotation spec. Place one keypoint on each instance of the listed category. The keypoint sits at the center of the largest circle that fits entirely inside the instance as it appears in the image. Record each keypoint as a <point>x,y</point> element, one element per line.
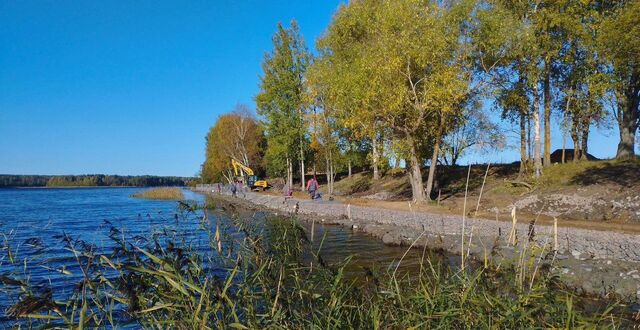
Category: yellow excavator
<point>246,174</point>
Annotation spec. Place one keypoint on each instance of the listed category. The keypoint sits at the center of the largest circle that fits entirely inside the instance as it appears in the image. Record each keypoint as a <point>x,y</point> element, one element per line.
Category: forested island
<point>91,180</point>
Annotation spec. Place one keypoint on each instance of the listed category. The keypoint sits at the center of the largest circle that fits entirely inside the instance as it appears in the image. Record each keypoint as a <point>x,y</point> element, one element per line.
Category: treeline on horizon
<point>422,83</point>
<point>92,180</point>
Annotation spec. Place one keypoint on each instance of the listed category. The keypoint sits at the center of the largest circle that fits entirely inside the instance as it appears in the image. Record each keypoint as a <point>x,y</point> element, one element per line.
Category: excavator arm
<point>243,168</point>
<point>240,169</point>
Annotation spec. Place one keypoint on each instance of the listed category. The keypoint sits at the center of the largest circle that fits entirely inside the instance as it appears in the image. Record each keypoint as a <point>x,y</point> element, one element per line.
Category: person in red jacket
<point>312,187</point>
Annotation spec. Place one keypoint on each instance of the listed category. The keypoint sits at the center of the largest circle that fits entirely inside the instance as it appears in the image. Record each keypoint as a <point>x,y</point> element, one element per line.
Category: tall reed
<point>266,274</point>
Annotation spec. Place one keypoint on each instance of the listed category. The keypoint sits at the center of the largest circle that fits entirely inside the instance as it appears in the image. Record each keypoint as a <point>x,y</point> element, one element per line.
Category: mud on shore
<point>592,262</point>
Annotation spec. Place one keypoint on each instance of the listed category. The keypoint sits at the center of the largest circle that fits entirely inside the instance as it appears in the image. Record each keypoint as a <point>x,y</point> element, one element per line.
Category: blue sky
<point>121,87</point>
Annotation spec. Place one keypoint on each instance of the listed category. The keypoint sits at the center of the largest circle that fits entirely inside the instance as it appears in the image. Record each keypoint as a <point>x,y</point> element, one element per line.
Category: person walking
<point>312,187</point>
<point>234,189</point>
<point>287,192</point>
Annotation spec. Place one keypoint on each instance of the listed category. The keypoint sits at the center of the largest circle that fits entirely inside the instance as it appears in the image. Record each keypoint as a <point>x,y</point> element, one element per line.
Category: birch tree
<point>281,101</point>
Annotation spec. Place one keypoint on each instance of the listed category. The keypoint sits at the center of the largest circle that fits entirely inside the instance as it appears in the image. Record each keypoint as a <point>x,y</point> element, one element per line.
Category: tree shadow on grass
<point>452,180</point>
<point>625,173</point>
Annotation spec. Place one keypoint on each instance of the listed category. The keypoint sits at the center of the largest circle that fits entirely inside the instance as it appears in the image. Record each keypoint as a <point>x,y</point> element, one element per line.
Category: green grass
<point>561,174</point>
<point>163,193</point>
<point>346,184</point>
<point>272,278</point>
<point>590,172</point>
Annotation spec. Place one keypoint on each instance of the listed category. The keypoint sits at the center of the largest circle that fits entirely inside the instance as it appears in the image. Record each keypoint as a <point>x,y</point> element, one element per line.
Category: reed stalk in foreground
<point>464,217</point>
<point>484,180</point>
<point>257,274</point>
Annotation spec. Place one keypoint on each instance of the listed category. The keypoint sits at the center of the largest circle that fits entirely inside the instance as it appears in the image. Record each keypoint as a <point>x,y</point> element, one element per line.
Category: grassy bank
<point>591,194</point>
<point>267,276</point>
<point>164,193</point>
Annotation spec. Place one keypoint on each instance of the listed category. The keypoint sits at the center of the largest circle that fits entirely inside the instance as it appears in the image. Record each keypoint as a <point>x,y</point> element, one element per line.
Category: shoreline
<point>87,187</point>
<point>592,262</point>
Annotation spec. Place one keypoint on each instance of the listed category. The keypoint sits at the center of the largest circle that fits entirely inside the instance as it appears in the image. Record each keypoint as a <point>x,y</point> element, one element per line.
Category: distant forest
<point>91,180</point>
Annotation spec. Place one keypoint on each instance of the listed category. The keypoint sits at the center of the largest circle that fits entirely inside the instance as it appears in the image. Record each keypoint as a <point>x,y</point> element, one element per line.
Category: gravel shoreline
<point>595,262</point>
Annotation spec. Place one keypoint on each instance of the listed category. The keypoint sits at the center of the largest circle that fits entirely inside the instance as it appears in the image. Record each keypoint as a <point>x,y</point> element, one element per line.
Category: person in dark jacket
<point>234,189</point>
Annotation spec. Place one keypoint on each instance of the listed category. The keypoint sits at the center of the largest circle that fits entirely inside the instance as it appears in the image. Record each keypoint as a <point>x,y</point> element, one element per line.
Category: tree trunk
<point>565,124</point>
<point>415,173</point>
<point>289,173</point>
<point>328,171</point>
<point>575,137</point>
<point>331,177</point>
<point>349,168</point>
<point>333,174</point>
<point>628,113</point>
<point>626,146</point>
<point>564,144</point>
<point>301,136</point>
<point>302,167</point>
<point>375,157</point>
<point>537,161</point>
<point>432,166</point>
<point>547,114</point>
<point>585,138</point>
<point>529,142</point>
<point>523,143</point>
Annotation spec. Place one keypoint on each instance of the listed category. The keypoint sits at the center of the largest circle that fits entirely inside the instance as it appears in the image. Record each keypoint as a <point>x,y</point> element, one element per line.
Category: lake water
<point>34,224</point>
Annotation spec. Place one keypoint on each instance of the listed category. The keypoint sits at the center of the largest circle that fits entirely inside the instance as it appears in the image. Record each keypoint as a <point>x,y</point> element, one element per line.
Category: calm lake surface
<point>34,222</point>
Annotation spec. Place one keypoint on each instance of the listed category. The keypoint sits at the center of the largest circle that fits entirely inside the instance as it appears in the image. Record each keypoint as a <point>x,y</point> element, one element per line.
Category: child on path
<point>286,190</point>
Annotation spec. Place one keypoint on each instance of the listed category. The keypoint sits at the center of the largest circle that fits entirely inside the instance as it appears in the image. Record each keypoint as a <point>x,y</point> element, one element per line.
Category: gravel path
<point>581,243</point>
<point>592,261</point>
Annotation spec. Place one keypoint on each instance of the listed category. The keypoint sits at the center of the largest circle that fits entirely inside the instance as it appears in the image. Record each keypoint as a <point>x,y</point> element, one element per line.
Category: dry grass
<point>163,193</point>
